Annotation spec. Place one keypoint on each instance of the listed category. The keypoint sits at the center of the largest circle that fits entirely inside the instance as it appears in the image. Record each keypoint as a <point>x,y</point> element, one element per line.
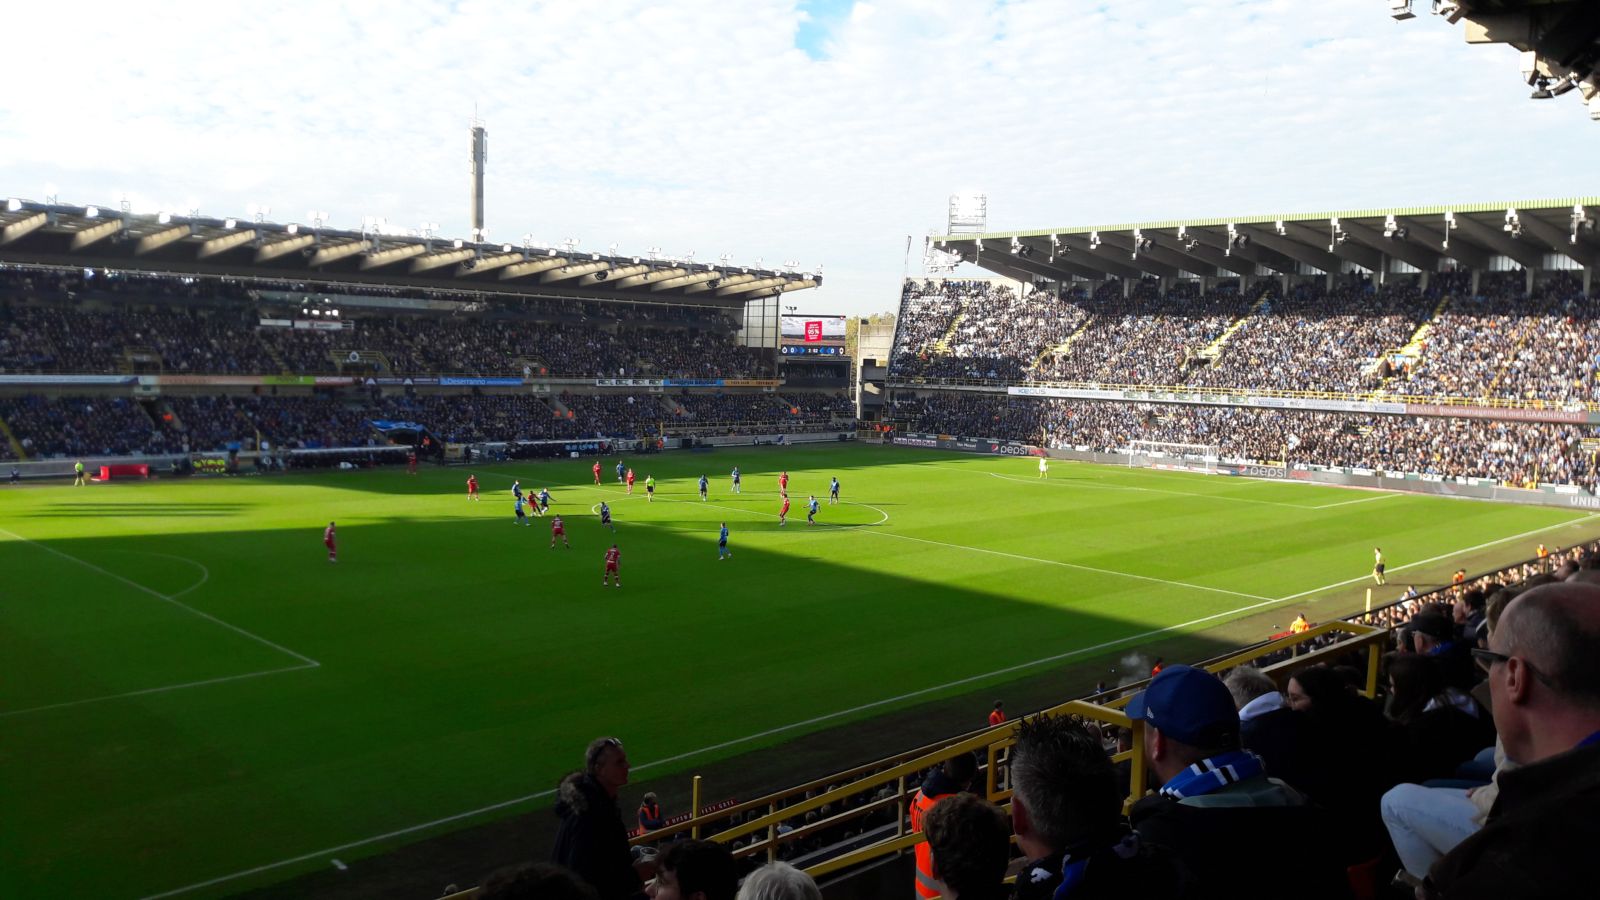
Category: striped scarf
<point>1209,775</point>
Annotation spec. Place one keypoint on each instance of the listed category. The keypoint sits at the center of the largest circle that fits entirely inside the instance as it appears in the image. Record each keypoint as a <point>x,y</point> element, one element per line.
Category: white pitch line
<point>166,598</point>
<point>1383,496</point>
<point>817,720</point>
<point>1434,559</point>
<point>1121,487</point>
<point>155,690</point>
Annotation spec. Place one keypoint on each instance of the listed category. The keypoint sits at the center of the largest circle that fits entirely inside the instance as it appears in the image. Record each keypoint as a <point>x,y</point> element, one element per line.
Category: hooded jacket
<point>592,839</point>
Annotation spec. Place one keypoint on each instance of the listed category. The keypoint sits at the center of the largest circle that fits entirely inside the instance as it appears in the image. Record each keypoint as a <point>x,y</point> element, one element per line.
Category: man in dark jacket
<point>1066,810</point>
<point>1544,677</point>
<point>1270,729</point>
<point>1217,808</point>
<point>592,839</point>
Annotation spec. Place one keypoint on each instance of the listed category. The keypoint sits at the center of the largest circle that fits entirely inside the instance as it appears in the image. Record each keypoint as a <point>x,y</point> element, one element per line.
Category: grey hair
<point>778,881</point>
<point>1246,683</point>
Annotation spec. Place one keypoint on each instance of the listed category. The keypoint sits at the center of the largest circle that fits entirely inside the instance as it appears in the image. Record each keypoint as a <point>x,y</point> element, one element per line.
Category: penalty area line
<point>155,690</point>
<point>169,598</point>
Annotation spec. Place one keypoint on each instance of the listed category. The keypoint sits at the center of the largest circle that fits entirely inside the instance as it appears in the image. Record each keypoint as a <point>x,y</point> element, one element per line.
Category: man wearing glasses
<point>592,839</point>
<point>1544,678</point>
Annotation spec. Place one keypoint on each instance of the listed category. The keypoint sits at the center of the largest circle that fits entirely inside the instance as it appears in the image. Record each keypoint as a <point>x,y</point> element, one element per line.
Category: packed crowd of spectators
<point>1503,342</point>
<point>1516,453</point>
<point>72,322</point>
<point>81,426</point>
<point>1147,338</point>
<point>1497,341</point>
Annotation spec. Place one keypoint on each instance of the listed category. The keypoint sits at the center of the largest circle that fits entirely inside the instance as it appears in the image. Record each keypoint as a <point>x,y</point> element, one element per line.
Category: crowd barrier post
<point>694,808</point>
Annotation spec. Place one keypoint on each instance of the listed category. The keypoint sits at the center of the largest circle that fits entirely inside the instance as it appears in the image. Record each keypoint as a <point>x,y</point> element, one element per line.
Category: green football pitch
<point>193,701</point>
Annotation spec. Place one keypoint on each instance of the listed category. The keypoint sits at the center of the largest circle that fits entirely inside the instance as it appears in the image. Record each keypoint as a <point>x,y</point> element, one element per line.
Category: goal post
<point>1162,454</point>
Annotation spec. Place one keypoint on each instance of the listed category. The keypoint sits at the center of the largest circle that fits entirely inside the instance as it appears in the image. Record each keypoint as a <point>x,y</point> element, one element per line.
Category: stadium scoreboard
<point>811,336</point>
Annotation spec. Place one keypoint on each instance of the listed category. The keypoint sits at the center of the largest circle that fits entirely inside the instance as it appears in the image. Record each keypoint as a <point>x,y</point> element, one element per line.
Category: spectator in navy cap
<point>1216,800</point>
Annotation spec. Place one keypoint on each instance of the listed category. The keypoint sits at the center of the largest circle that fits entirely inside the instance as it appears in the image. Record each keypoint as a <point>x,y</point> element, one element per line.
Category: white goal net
<point>1161,455</point>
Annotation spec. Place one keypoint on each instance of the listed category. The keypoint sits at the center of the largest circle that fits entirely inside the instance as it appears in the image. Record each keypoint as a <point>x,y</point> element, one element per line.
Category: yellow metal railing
<point>763,816</point>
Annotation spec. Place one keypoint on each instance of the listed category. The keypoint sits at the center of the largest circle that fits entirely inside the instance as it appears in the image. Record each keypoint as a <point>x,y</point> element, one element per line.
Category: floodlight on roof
<point>163,217</point>
<point>458,243</point>
<point>1513,225</point>
<point>293,228</point>
<point>505,248</point>
<point>91,212</point>
<point>13,204</point>
<point>1400,10</point>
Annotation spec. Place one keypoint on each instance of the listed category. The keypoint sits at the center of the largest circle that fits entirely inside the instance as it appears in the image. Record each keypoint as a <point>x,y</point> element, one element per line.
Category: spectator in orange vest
<point>1299,625</point>
<point>997,715</point>
<point>650,813</point>
<point>971,845</point>
<point>954,777</point>
<point>1156,669</point>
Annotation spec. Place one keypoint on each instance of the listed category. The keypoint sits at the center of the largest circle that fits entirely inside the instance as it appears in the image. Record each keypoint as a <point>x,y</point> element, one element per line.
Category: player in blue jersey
<point>605,516</point>
<point>722,543</point>
<point>833,492</point>
<point>811,510</point>
<point>620,470</point>
<point>516,489</point>
<point>736,479</point>
<point>544,500</point>
<point>522,517</point>
<point>704,485</point>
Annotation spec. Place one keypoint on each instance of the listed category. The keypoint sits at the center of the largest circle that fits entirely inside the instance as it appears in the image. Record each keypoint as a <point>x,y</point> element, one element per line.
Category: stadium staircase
<point>277,359</point>
<point>139,359</point>
<point>1522,338</point>
<point>942,345</point>
<point>1413,349</point>
<point>1062,348</point>
<point>1212,352</point>
<point>372,362</point>
<point>11,439</point>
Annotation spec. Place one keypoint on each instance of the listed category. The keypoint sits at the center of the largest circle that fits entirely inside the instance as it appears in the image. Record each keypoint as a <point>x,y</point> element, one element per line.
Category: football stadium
<point>1232,556</point>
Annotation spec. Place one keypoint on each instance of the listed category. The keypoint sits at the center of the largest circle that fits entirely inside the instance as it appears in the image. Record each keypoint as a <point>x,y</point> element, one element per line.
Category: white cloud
<point>700,125</point>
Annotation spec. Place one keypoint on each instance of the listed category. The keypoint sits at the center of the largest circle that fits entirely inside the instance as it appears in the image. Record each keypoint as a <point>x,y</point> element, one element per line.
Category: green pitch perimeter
<point>193,701</point>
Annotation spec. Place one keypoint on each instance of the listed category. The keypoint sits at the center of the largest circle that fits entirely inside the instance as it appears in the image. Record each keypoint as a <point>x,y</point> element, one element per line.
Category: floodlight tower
<point>480,156</point>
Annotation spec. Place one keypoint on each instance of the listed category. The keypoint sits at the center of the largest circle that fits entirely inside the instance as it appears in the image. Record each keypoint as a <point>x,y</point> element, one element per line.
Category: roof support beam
<point>392,255</point>
<point>1062,268</point>
<point>563,273</point>
<point>435,260</point>
<point>531,267</point>
<point>1366,257</point>
<point>284,247</point>
<point>1497,241</point>
<point>1460,249</point>
<point>1099,259</point>
<point>1297,250</point>
<point>649,276</point>
<point>483,264</point>
<point>1176,262</point>
<point>1252,254</point>
<point>1560,240</point>
<point>25,225</point>
<point>1120,246</point>
<point>615,276</point>
<point>757,285</point>
<point>96,233</point>
<point>225,243</point>
<point>159,239</point>
<point>695,278</point>
<point>1200,255</point>
<point>1423,258</point>
<point>331,253</point>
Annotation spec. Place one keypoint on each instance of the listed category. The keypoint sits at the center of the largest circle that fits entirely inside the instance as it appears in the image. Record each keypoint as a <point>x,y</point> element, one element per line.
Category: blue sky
<point>823,131</point>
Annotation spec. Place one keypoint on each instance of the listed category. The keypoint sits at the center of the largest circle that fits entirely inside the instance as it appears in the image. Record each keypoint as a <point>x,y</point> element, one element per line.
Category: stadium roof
<point>108,237</point>
<point>1527,233</point>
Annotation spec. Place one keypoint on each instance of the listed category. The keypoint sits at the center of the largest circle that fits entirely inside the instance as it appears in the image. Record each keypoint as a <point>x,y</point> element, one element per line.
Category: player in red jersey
<point>327,541</point>
<point>472,487</point>
<point>411,463</point>
<point>613,556</point>
<point>783,482</point>
<point>597,471</point>
<point>629,480</point>
<point>558,529</point>
<point>783,512</point>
